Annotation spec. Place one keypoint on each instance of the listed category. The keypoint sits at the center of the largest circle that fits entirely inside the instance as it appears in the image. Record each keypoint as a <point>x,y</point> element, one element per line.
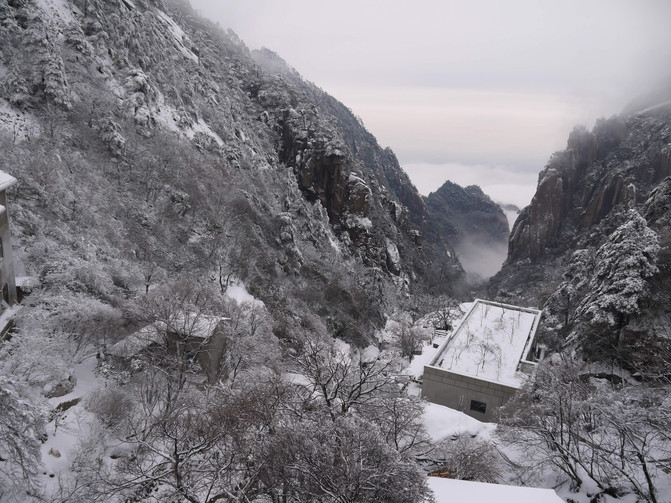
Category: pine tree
<point>619,286</point>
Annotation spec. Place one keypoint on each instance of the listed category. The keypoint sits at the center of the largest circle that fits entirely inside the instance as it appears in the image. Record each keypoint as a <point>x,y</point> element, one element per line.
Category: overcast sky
<point>478,92</point>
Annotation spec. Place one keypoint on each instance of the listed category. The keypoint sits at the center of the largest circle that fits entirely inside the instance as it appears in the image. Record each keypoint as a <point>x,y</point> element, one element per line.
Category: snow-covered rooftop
<point>449,490</point>
<point>6,180</point>
<point>196,325</point>
<point>136,342</point>
<point>192,324</point>
<point>490,342</point>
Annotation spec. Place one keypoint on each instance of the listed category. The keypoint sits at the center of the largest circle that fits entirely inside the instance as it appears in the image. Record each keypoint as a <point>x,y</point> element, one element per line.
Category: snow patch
<point>17,124</point>
<point>342,347</point>
<point>202,127</point>
<point>165,114</point>
<point>334,244</point>
<point>238,292</point>
<point>392,252</point>
<point>450,490</point>
<point>57,9</point>
<point>169,118</point>
<point>66,429</point>
<point>178,35</point>
<point>416,367</point>
<point>442,422</point>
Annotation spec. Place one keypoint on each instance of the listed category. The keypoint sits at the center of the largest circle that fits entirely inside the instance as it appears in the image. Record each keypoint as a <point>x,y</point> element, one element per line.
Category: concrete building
<point>7,279</point>
<point>483,363</point>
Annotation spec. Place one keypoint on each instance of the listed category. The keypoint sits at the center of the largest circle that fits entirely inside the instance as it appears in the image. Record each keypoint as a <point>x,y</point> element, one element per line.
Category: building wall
<point>6,262</point>
<point>208,353</point>
<point>456,391</point>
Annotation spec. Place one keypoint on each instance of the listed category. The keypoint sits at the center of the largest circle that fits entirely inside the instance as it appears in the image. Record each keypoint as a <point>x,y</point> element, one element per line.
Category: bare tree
<point>466,458</point>
<point>341,379</point>
<point>343,460</point>
<point>21,426</point>
<point>197,446</point>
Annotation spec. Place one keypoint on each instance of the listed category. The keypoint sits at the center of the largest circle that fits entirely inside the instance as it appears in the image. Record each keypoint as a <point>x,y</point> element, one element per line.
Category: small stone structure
<point>483,363</point>
<point>192,336</point>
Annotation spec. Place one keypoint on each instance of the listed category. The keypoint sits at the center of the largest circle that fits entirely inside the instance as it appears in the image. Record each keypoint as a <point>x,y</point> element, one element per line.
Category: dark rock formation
<point>598,187</point>
<point>617,164</point>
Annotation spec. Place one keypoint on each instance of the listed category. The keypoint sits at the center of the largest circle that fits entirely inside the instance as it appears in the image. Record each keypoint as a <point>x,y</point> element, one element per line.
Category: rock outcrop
<point>605,295</point>
<point>617,164</point>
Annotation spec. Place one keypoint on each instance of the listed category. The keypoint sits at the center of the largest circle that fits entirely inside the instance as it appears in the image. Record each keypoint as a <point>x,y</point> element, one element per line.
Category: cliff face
<point>593,247</point>
<point>472,223</point>
<point>199,157</point>
<point>619,163</point>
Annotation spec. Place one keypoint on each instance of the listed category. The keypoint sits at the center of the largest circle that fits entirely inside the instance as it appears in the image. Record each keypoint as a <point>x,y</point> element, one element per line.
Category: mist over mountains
<point>172,182</point>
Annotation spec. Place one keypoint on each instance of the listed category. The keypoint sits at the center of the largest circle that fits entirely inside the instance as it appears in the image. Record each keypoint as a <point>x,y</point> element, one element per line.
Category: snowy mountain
<point>169,179</point>
<point>163,144</point>
<point>593,246</point>
<point>475,225</point>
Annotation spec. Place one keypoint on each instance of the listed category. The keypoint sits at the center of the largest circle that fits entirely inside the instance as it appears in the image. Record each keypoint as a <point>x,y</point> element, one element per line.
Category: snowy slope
<point>450,491</point>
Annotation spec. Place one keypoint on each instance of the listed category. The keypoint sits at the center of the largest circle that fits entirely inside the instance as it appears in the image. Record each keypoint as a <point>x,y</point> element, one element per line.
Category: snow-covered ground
<point>58,10</point>
<point>450,490</point>
<point>442,422</point>
<point>20,125</point>
<point>416,367</point>
<point>237,291</point>
<point>68,428</point>
<point>178,35</point>
<point>169,117</point>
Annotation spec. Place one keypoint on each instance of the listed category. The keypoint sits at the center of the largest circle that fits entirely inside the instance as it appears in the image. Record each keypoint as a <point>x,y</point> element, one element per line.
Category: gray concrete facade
<point>458,391</point>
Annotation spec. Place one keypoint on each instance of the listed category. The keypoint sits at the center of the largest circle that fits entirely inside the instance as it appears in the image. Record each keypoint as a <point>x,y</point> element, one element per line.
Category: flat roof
<point>192,324</point>
<point>490,342</point>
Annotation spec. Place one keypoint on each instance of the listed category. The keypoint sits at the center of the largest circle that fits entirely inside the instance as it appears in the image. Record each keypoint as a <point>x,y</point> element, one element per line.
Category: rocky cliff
<point>593,245</point>
<point>149,144</point>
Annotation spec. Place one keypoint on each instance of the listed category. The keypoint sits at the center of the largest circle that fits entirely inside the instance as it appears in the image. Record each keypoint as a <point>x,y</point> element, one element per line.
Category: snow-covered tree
<point>619,284</point>
<point>612,434</point>
<point>21,426</point>
<point>183,444</point>
<point>563,302</point>
<point>342,379</point>
<point>343,460</point>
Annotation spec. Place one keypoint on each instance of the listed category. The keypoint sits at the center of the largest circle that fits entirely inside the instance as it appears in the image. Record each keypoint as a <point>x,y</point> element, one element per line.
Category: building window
<point>478,406</point>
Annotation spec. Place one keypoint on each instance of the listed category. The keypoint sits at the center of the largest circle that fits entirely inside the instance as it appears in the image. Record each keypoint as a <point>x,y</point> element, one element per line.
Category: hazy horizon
<point>475,93</point>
